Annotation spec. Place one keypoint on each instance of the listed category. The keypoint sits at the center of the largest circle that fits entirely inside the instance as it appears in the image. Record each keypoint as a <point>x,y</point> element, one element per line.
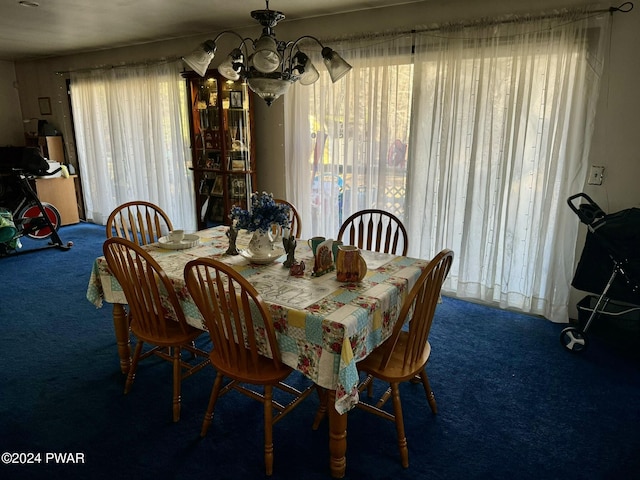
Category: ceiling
<point>60,27</point>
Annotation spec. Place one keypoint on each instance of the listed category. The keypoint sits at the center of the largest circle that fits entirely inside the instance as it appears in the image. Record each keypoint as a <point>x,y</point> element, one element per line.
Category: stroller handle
<point>589,213</point>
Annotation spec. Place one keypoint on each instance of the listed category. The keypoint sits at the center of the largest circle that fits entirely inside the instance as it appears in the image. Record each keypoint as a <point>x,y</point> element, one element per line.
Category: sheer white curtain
<point>493,141</point>
<point>131,128</point>
<point>503,115</point>
<point>339,150</point>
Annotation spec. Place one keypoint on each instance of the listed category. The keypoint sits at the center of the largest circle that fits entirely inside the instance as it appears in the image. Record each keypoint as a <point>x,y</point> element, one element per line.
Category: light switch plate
<point>595,175</point>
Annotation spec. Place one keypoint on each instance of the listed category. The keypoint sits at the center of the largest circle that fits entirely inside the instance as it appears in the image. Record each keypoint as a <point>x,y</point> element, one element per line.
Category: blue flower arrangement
<point>263,213</point>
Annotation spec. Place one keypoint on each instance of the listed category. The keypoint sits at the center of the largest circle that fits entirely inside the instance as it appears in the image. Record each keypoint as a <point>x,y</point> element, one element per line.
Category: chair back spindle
<point>139,222</point>
<point>375,230</point>
<point>144,284</point>
<point>294,218</point>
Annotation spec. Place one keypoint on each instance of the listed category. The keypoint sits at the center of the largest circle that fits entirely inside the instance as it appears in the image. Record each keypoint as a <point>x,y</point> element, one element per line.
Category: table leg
<point>121,327</point>
<point>337,437</point>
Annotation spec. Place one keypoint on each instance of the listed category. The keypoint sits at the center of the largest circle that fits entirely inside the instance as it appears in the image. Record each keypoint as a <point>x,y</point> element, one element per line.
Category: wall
<point>614,144</point>
<point>11,126</point>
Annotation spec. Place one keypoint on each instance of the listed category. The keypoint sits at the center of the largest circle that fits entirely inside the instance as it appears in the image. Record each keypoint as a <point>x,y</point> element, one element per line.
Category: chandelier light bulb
<point>266,59</point>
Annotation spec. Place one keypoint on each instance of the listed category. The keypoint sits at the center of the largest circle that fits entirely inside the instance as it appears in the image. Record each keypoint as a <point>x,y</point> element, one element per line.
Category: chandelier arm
<point>292,45</point>
<point>243,41</point>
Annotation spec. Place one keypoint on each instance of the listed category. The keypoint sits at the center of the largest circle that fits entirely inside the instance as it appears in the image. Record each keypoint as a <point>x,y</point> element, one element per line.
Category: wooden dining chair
<point>233,312</point>
<point>294,217</point>
<point>155,314</point>
<point>375,230</point>
<point>404,355</point>
<point>139,222</point>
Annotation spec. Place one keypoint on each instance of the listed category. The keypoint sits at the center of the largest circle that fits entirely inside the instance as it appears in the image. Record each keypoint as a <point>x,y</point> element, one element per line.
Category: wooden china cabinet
<point>223,151</point>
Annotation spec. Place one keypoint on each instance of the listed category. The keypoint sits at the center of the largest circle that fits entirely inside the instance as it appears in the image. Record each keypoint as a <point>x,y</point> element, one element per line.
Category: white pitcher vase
<point>262,243</point>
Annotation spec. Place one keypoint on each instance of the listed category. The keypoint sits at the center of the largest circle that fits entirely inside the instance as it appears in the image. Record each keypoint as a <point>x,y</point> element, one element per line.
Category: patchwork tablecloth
<point>323,326</point>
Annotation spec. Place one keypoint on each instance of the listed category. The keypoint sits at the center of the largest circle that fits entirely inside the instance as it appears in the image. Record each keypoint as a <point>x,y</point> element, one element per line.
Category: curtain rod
<point>142,63</point>
<point>623,8</point>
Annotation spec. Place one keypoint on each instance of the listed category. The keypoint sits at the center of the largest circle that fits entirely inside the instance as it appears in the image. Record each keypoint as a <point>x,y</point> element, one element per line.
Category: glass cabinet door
<point>223,160</point>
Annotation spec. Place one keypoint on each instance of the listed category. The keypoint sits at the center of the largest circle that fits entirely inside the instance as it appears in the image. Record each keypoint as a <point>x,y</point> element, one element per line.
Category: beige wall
<point>11,126</point>
<point>615,144</point>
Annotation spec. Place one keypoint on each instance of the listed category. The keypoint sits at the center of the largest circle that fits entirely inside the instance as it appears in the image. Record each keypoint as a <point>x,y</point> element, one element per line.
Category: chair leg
<point>427,390</point>
<point>322,409</point>
<point>402,439</point>
<point>177,382</point>
<point>268,429</point>
<point>208,416</point>
<point>370,386</point>
<point>384,397</point>
<point>192,354</point>
<point>133,367</point>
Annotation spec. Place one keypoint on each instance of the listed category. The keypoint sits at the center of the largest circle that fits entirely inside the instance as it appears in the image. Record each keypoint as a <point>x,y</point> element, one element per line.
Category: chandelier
<point>272,65</point>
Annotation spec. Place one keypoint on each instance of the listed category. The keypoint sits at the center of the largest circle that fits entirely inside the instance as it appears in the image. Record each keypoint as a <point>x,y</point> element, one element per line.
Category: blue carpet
<point>512,402</point>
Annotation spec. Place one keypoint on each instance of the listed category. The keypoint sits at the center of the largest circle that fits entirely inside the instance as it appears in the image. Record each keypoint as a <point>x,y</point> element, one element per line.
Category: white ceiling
<point>58,27</point>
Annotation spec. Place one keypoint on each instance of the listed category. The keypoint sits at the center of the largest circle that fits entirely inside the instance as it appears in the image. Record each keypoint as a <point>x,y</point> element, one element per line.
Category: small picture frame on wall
<point>217,186</point>
<point>238,188</point>
<point>235,99</point>
<point>44,103</point>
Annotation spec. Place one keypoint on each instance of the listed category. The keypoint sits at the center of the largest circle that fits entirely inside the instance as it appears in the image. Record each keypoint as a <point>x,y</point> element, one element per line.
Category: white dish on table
<point>272,256</point>
<point>188,241</point>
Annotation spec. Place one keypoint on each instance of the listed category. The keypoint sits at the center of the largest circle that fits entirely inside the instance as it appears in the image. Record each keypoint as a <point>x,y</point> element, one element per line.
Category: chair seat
<point>395,371</point>
<point>265,373</point>
<point>174,334</point>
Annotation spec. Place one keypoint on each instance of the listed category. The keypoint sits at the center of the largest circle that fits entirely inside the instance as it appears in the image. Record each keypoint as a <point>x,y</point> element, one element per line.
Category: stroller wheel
<point>573,340</point>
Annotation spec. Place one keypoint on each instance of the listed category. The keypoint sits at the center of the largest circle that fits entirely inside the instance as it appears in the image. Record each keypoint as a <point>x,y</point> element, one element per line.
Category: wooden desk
<point>61,193</point>
<point>323,326</point>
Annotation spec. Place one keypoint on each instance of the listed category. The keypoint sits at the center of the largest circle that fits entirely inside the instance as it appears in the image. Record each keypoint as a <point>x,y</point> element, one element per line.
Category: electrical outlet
<point>595,175</point>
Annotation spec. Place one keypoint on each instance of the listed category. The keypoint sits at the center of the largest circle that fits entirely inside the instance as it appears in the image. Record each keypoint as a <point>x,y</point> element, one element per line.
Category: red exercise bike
<point>23,214</point>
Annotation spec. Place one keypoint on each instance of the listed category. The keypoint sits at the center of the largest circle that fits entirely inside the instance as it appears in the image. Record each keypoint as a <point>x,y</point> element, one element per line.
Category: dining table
<point>323,326</point>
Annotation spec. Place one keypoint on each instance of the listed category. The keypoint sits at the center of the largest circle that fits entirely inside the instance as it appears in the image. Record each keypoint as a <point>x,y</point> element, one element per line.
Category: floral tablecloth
<point>323,326</point>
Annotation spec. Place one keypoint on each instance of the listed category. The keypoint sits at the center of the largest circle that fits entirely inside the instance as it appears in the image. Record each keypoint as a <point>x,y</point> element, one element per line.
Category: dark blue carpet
<point>512,402</point>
